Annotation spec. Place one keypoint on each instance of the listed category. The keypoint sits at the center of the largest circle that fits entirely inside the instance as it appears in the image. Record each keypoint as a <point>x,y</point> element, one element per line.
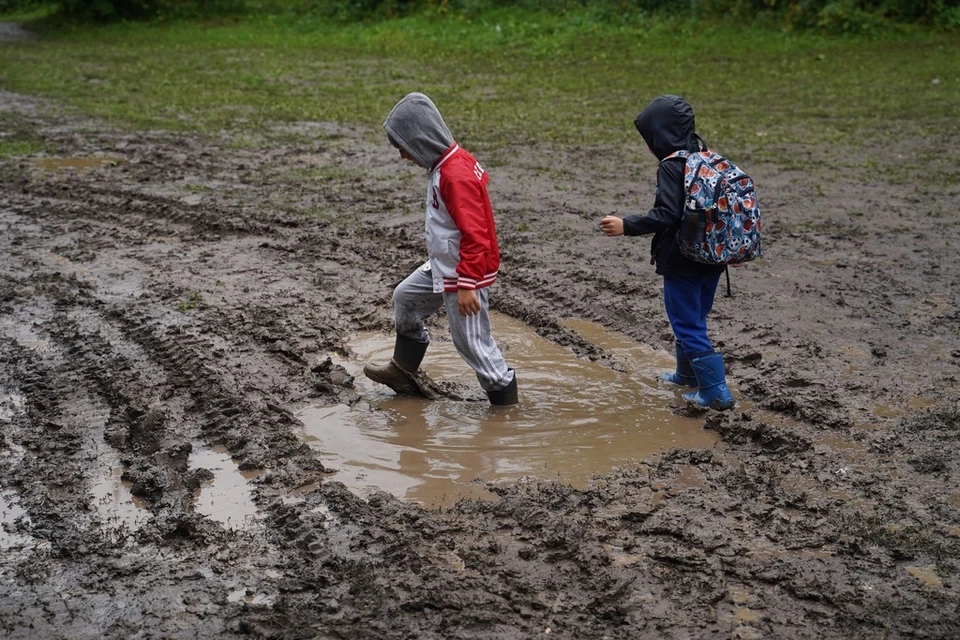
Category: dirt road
<point>165,293</point>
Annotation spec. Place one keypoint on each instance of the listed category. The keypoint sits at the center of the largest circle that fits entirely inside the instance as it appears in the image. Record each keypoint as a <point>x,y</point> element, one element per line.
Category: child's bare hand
<point>612,226</point>
<point>468,302</point>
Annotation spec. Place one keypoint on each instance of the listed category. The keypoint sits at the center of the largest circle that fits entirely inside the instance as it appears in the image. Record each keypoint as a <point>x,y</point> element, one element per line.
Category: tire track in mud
<point>226,415</point>
<point>75,322</point>
<point>79,199</point>
<point>45,432</point>
<point>214,400</point>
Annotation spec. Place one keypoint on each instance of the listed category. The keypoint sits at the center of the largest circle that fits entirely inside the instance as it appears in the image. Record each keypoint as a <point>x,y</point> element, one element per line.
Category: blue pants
<point>688,301</point>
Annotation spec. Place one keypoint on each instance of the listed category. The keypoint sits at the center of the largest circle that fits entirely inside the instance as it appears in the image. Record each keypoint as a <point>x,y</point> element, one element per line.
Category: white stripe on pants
<point>414,300</point>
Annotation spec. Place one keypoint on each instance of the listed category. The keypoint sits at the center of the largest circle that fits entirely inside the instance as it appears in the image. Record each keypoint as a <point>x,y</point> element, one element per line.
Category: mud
<point>166,315</point>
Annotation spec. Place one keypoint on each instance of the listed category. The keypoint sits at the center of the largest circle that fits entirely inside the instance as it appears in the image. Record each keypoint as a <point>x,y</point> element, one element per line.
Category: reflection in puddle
<point>118,508</point>
<point>10,513</point>
<point>912,405</point>
<point>24,335</point>
<point>77,164</point>
<point>226,498</point>
<point>576,418</point>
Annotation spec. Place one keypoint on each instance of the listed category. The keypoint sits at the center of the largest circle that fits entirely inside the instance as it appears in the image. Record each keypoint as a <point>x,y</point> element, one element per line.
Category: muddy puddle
<point>116,506</point>
<point>576,418</point>
<point>77,164</point>
<point>226,497</point>
<point>11,516</point>
<point>927,576</point>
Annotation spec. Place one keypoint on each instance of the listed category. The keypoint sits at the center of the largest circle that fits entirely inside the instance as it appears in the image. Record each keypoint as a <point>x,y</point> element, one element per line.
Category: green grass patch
<point>15,147</point>
<point>192,302</point>
<point>506,76</point>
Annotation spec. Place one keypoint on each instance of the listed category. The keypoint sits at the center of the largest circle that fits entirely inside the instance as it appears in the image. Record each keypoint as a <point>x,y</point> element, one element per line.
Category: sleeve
<point>466,200</point>
<point>668,206</point>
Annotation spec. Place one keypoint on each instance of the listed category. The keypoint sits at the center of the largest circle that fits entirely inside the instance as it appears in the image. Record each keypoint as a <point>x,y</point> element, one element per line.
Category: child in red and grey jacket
<point>464,257</point>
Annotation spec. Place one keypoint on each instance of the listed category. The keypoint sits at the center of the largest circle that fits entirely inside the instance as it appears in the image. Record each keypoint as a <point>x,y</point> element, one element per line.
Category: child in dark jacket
<point>667,125</point>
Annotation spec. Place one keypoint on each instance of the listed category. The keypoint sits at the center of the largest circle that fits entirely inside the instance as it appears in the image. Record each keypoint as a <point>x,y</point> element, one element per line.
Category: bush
<point>827,15</point>
<point>18,6</point>
<point>112,10</point>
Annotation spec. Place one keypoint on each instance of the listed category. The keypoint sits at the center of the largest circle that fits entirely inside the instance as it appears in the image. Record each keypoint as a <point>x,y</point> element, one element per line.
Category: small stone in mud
<point>196,478</point>
<point>340,377</point>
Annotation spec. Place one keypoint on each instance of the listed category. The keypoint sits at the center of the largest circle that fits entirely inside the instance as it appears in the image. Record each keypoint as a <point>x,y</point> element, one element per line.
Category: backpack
<point>721,217</point>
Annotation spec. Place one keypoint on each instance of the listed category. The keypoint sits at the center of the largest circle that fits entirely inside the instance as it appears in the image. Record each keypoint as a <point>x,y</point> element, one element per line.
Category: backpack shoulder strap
<point>682,153</point>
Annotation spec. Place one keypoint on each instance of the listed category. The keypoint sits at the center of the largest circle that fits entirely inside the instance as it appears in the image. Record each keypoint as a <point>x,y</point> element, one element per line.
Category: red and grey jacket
<point>461,234</point>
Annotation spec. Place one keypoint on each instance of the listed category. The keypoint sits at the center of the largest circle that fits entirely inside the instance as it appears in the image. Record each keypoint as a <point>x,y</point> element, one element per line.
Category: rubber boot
<point>713,391</point>
<point>684,375</point>
<point>398,373</point>
<point>507,395</point>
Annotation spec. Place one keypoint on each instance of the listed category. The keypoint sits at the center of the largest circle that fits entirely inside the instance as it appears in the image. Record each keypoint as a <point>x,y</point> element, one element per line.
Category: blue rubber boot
<point>713,391</point>
<point>684,375</point>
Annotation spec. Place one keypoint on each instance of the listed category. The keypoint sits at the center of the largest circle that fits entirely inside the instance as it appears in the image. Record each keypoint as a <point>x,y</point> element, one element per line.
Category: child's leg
<point>475,344</point>
<point>413,302</point>
<point>687,302</point>
<point>708,291</point>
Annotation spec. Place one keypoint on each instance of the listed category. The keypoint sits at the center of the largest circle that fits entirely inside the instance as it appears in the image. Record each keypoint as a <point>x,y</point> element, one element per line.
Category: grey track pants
<point>414,300</point>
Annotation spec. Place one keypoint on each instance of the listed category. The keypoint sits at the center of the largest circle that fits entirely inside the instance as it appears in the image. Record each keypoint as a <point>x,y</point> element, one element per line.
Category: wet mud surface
<point>167,311</point>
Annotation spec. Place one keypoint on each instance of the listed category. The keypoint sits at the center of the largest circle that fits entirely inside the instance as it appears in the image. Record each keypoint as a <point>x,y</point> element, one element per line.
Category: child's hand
<point>468,302</point>
<point>612,226</point>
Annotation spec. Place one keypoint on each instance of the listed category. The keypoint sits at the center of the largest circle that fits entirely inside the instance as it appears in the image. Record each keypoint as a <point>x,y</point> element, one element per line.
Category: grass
<point>14,147</point>
<point>192,302</point>
<point>507,77</point>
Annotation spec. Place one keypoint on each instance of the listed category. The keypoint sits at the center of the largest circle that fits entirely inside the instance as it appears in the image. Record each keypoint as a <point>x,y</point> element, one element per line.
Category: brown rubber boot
<point>507,395</point>
<point>399,373</point>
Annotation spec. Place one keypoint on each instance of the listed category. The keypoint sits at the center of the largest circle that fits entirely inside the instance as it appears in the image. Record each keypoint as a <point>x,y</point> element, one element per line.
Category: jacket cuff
<point>464,282</point>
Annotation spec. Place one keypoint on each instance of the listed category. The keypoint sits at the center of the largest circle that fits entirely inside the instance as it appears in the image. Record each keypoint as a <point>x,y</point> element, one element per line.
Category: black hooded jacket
<point>667,125</point>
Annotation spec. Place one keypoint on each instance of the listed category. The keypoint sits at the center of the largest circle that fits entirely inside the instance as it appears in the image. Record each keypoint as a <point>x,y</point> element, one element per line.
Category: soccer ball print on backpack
<point>721,217</point>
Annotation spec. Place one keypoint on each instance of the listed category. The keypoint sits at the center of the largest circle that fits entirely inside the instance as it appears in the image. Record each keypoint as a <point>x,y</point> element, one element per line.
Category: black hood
<point>666,124</point>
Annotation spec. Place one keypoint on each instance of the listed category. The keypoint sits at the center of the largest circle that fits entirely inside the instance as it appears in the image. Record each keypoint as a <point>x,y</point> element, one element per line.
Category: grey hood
<point>416,126</point>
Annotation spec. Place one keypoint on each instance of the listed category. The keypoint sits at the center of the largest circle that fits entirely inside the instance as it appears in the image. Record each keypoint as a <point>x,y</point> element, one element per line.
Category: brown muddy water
<point>77,164</point>
<point>576,418</point>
